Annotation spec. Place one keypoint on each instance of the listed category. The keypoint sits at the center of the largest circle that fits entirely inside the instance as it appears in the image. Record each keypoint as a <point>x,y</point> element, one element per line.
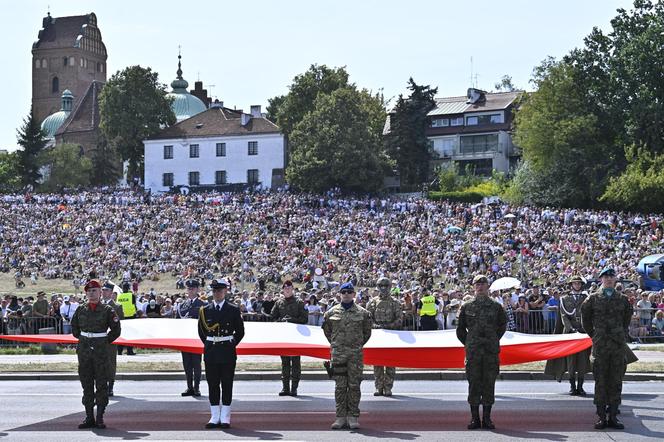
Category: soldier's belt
<point>218,338</point>
<point>94,335</point>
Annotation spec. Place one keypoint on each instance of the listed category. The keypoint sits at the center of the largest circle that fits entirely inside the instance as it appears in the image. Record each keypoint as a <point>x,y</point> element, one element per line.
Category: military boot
<point>110,388</point>
<point>387,391</point>
<point>378,392</point>
<point>579,388</point>
<point>572,386</point>
<point>100,417</point>
<point>339,423</point>
<point>89,421</point>
<point>353,422</point>
<point>475,422</point>
<point>197,390</point>
<point>285,391</point>
<point>601,422</point>
<point>294,385</point>
<point>487,423</point>
<point>614,422</point>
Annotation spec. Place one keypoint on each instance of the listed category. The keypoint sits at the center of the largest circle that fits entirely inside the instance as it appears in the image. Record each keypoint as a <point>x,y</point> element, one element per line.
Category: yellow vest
<point>128,307</point>
<point>428,306</point>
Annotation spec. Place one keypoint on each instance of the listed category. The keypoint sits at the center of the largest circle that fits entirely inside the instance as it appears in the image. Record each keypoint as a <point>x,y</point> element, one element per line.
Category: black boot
<point>285,391</point>
<point>572,386</point>
<point>601,422</point>
<point>579,388</point>
<point>190,388</point>
<point>110,388</point>
<point>197,390</point>
<point>100,418</point>
<point>614,422</point>
<point>293,390</point>
<point>487,423</point>
<point>89,421</point>
<point>475,418</point>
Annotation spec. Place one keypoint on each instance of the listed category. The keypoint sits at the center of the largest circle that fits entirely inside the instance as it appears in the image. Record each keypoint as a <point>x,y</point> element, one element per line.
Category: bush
<point>461,196</point>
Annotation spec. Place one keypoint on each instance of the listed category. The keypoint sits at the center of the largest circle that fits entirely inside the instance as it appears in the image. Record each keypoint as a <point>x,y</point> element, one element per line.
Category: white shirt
<point>246,303</point>
<point>67,310</point>
<point>219,305</point>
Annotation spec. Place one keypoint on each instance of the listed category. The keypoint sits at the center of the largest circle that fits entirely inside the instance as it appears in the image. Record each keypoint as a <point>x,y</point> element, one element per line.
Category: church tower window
<point>55,85</point>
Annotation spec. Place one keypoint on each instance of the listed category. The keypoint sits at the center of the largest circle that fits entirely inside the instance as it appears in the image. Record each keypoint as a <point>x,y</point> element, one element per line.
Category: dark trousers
<point>130,350</point>
<point>220,375</point>
<point>291,368</point>
<point>192,369</point>
<point>428,323</point>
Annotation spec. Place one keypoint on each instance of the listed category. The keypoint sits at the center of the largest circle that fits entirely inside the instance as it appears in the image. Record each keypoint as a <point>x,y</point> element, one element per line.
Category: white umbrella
<point>504,284</point>
<point>510,215</point>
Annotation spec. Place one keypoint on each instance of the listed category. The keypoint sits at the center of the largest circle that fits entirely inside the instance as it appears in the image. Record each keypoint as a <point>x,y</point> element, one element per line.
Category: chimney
<point>245,119</point>
<point>256,111</point>
<point>217,104</point>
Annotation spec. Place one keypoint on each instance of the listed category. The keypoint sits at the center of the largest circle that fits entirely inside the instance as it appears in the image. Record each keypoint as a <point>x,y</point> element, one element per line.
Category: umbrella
<point>504,284</point>
<point>453,229</point>
<point>510,215</point>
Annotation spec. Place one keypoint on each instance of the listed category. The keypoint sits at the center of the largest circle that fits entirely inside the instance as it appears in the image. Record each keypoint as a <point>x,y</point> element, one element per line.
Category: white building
<point>217,147</point>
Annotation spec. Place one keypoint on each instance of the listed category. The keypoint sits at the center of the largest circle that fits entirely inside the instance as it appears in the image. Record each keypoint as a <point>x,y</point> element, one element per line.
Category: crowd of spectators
<point>259,239</point>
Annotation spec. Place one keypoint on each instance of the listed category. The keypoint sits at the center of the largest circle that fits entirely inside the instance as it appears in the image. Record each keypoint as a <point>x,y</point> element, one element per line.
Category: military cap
<point>607,271</point>
<point>347,286</point>
<point>219,283</point>
<point>576,278</point>
<point>192,283</point>
<point>480,278</point>
<point>108,285</point>
<point>383,281</point>
<point>41,293</point>
<point>287,283</point>
<point>91,284</point>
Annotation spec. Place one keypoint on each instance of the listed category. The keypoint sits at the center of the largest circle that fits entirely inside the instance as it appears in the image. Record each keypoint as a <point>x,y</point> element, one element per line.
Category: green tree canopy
<point>338,143</point>
<point>33,140</point>
<point>10,180</point>
<point>106,164</point>
<point>66,166</point>
<point>134,107</point>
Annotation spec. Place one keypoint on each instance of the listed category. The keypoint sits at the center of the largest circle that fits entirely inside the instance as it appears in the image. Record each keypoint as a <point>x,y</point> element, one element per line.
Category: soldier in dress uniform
<point>289,309</point>
<point>221,329</point>
<point>347,327</point>
<point>482,322</point>
<point>191,362</point>
<point>107,298</point>
<point>387,314</point>
<point>578,364</point>
<point>96,326</point>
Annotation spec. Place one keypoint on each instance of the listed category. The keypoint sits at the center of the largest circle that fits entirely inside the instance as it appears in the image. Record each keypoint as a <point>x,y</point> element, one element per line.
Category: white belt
<point>218,338</point>
<point>94,335</point>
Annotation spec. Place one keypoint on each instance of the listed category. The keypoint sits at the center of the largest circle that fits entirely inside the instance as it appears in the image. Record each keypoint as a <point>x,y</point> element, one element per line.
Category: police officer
<point>482,322</point>
<point>191,362</point>
<point>347,327</point>
<point>289,309</point>
<point>387,314</point>
<point>570,315</point>
<point>107,298</point>
<point>605,316</point>
<point>221,329</point>
<point>427,309</point>
<point>96,326</point>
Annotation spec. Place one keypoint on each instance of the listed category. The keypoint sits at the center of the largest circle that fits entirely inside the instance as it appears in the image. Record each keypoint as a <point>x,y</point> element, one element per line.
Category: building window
<point>220,177</point>
<point>72,62</point>
<point>440,122</point>
<point>37,64</point>
<point>484,119</point>
<point>167,180</point>
<point>253,147</point>
<point>252,176</point>
<point>221,149</point>
<point>496,119</point>
<point>168,152</point>
<point>479,144</point>
<point>456,121</point>
<point>193,151</point>
<point>194,178</point>
<point>65,60</point>
<point>82,62</point>
<point>98,67</point>
<point>44,63</point>
<point>472,121</point>
<point>55,85</point>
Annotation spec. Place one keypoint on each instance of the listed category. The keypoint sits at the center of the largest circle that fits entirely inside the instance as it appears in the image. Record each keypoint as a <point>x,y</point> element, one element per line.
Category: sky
<point>250,51</point>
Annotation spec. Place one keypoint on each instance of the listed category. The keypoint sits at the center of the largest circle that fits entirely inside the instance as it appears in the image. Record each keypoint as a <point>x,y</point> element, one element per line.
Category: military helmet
<point>576,278</point>
<point>383,281</point>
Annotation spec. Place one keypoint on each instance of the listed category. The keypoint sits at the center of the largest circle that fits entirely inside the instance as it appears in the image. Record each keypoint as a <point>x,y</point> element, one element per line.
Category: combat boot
<point>487,423</point>
<point>378,392</point>
<point>579,388</point>
<point>285,391</point>
<point>572,387</point>
<point>339,423</point>
<point>601,422</point>
<point>293,390</point>
<point>614,422</point>
<point>100,417</point>
<point>89,421</point>
<point>110,388</point>
<point>197,390</point>
<point>475,422</point>
<point>353,422</point>
<point>387,391</point>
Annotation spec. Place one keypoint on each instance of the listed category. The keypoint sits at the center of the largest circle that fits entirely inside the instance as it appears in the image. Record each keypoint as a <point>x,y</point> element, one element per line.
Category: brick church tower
<point>69,54</point>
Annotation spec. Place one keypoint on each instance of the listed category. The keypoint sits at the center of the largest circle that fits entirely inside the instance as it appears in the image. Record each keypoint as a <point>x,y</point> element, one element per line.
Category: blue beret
<point>608,271</point>
<point>347,286</point>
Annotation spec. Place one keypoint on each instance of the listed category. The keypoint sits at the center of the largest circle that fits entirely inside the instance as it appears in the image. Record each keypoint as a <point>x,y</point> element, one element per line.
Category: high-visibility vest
<point>428,306</point>
<point>127,303</point>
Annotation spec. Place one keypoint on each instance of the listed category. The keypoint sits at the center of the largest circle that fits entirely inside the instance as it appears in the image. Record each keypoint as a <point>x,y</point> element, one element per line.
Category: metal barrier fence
<point>27,326</point>
<point>645,326</point>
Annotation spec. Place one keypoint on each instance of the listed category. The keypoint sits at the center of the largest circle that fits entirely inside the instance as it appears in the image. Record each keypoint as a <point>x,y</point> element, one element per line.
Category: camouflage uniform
<point>387,314</point>
<point>347,330</point>
<point>93,352</point>
<point>290,310</point>
<point>606,318</point>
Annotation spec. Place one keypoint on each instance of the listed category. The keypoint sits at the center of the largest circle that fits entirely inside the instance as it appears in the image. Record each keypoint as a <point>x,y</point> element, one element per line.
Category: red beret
<point>93,283</point>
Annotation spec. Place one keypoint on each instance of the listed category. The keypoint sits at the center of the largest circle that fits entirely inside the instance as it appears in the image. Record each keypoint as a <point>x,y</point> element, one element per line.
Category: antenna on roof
<point>210,86</point>
<point>471,71</point>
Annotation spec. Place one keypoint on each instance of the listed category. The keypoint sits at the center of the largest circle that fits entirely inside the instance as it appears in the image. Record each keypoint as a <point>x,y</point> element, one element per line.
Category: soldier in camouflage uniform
<point>107,298</point>
<point>605,316</point>
<point>96,326</point>
<point>387,314</point>
<point>347,327</point>
<point>481,324</point>
<point>289,309</point>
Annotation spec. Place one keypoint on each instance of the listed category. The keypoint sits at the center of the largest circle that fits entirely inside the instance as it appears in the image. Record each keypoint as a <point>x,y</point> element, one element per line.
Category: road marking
<point>325,394</point>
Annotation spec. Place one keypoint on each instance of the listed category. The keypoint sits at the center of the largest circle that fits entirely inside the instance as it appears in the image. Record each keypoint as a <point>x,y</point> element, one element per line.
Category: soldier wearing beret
<point>107,298</point>
<point>191,362</point>
<point>221,329</point>
<point>481,324</point>
<point>96,326</point>
<point>605,316</point>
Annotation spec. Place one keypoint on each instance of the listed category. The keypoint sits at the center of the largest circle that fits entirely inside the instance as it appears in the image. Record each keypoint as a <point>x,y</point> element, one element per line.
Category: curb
<point>316,376</point>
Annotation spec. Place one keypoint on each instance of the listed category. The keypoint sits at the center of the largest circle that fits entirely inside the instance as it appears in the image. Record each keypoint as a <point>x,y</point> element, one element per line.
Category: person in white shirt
<point>67,310</point>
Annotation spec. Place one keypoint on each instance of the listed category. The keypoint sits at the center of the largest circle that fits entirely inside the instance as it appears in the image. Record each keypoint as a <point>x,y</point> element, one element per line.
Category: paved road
<point>533,410</point>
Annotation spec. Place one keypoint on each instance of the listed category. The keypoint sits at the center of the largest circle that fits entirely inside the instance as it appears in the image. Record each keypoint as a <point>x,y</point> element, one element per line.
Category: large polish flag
<point>392,348</point>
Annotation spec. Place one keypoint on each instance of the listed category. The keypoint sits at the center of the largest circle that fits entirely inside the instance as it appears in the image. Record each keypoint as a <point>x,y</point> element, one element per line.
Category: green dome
<point>53,122</point>
<point>184,104</point>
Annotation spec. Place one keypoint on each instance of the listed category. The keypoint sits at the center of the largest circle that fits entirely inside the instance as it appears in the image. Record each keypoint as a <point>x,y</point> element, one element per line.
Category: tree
<point>407,143</point>
<point>338,143</point>
<point>505,84</point>
<point>133,107</point>
<point>10,180</point>
<point>106,164</point>
<point>33,140</point>
<point>66,166</point>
